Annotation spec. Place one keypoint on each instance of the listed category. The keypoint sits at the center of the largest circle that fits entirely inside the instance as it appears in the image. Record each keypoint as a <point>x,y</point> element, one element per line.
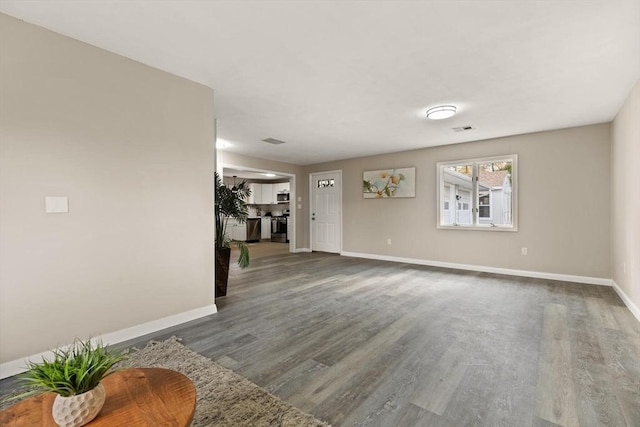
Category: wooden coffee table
<point>135,397</point>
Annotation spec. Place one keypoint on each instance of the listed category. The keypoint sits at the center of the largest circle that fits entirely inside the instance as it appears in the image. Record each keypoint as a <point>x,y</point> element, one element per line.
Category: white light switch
<point>56,204</point>
<point>299,205</point>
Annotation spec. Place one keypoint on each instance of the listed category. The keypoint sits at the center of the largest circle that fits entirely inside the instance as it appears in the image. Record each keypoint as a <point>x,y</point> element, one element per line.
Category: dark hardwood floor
<point>363,342</point>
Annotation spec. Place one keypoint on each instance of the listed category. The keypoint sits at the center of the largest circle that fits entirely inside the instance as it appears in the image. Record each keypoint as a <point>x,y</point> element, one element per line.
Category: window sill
<point>478,227</point>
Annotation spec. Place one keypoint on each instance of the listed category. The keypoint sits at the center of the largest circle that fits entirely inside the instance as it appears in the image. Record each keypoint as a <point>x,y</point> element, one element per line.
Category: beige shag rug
<point>224,398</point>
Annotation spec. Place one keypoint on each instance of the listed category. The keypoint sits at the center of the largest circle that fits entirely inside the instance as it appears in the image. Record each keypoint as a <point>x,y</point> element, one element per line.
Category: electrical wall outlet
<point>524,251</point>
<point>388,241</point>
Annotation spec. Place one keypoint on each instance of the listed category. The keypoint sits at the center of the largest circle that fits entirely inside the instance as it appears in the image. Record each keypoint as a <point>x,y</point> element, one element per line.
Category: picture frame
<point>393,183</point>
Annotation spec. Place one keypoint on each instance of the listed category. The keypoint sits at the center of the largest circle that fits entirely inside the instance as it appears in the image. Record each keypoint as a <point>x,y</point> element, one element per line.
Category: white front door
<point>326,211</point>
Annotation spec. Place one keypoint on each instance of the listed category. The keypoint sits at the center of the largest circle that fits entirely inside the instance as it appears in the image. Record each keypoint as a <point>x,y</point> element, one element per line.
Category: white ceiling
<point>342,79</point>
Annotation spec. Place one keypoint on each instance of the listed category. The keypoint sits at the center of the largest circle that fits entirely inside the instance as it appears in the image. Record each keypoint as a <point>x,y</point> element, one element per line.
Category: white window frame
<point>490,196</point>
<point>475,225</point>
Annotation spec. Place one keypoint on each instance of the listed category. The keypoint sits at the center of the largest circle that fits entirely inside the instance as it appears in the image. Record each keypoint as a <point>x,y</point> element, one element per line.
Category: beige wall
<point>625,195</point>
<point>233,159</point>
<point>132,149</point>
<point>563,206</point>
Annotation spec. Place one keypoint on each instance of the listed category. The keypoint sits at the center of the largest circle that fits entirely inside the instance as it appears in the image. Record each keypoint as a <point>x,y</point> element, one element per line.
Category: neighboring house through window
<point>477,193</point>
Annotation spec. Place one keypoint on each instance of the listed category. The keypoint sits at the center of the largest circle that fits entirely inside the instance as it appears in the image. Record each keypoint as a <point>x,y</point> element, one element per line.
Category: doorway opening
<point>272,213</point>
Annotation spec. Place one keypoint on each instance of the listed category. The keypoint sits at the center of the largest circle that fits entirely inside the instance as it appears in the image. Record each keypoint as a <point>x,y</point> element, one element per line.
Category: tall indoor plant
<point>230,203</point>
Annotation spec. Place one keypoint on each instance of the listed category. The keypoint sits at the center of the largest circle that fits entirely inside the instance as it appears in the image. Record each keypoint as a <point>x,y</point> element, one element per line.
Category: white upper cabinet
<point>267,194</point>
<point>256,194</point>
<point>282,187</point>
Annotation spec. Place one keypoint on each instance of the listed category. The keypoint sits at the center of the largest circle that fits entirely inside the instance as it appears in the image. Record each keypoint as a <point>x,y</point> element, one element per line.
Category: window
<point>484,205</point>
<point>323,183</point>
<point>478,193</point>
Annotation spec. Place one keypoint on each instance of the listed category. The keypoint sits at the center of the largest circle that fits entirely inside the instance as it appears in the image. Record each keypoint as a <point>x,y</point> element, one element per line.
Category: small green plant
<point>73,370</point>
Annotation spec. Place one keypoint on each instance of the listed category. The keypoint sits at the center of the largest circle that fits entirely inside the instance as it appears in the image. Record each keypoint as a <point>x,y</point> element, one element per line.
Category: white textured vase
<point>76,411</point>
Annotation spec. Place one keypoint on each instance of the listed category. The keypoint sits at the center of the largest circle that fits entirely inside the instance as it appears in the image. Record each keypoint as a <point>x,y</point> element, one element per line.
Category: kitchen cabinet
<point>256,194</point>
<point>240,232</point>
<point>267,194</point>
<point>236,231</point>
<point>282,187</point>
<point>266,228</point>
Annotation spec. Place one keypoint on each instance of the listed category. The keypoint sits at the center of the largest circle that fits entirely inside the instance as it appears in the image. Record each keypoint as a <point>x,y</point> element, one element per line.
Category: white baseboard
<point>627,301</point>
<point>303,250</point>
<point>523,273</point>
<point>17,366</point>
<point>497,270</point>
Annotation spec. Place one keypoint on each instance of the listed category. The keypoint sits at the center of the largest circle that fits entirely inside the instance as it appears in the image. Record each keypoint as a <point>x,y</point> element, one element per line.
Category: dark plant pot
<point>223,256</point>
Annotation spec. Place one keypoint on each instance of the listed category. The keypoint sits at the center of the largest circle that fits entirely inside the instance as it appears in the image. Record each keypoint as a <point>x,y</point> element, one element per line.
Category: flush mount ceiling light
<point>441,112</point>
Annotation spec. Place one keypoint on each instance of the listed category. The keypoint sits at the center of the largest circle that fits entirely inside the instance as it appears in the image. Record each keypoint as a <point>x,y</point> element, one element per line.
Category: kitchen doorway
<point>272,203</point>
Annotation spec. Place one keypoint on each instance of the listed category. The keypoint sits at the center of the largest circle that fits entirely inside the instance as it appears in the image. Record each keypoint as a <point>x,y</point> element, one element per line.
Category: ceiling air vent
<point>463,128</point>
<point>273,141</point>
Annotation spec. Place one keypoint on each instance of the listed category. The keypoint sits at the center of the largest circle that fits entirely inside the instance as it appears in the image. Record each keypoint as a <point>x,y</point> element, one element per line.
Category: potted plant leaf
<point>230,203</point>
<point>74,374</point>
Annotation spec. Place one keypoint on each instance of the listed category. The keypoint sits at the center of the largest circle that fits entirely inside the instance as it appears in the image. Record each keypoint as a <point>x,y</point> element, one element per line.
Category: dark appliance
<point>279,229</point>
<point>283,197</point>
<point>254,230</point>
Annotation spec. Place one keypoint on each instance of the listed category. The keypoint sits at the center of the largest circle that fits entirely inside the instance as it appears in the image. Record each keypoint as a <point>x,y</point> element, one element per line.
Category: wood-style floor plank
<point>363,342</point>
<point>556,395</point>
